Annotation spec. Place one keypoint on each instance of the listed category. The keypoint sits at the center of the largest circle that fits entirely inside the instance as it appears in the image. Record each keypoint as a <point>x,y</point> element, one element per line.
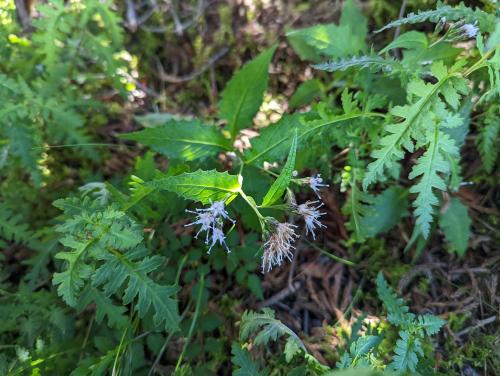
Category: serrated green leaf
<point>409,40</point>
<point>397,310</point>
<point>305,93</point>
<point>419,124</point>
<point>13,228</point>
<point>267,327</point>
<point>242,97</point>
<point>429,166</point>
<point>241,358</point>
<point>281,183</point>
<point>131,270</point>
<point>363,345</point>
<point>254,283</point>
<point>334,41</point>
<point>352,17</point>
<point>407,350</point>
<point>104,308</point>
<point>455,224</point>
<point>156,119</point>
<point>76,273</point>
<point>186,140</point>
<point>203,186</point>
<point>386,211</point>
<point>274,141</point>
<point>430,323</point>
<point>461,12</point>
<point>292,348</point>
<point>488,138</point>
<point>328,40</point>
<point>373,62</point>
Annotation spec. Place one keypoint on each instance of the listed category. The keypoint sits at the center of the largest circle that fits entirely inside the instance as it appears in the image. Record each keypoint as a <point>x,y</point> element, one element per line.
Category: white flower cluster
<point>279,243</point>
<point>211,220</point>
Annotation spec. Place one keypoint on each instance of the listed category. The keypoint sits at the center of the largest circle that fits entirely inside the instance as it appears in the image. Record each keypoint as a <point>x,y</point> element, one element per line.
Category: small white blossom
<point>316,182</point>
<point>217,209</point>
<point>311,215</point>
<point>211,220</point>
<point>278,245</point>
<point>205,219</point>
<point>218,236</point>
<point>469,30</point>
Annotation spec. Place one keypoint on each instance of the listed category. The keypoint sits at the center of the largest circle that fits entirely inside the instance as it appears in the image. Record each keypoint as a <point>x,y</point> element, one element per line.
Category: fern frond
<point>108,237</point>
<point>487,139</point>
<point>485,20</point>
<point>13,228</point>
<point>24,139</point>
<point>241,358</point>
<point>77,271</point>
<point>104,308</point>
<point>430,324</point>
<point>408,349</point>
<point>420,127</point>
<point>429,167</point>
<point>358,206</point>
<point>131,270</point>
<point>417,116</point>
<point>268,328</point>
<point>398,311</point>
<point>373,62</point>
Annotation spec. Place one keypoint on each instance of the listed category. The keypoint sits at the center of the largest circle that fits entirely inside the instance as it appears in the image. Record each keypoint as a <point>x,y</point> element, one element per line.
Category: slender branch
<point>162,75</point>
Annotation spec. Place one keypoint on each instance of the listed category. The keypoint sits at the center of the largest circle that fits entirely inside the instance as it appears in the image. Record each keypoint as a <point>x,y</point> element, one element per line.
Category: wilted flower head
<point>469,30</point>
<point>211,220</point>
<point>316,182</point>
<point>311,214</point>
<point>278,245</point>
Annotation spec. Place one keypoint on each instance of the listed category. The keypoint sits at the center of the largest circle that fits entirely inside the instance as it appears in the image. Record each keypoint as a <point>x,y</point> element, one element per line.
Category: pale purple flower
<point>311,214</point>
<point>278,245</point>
<point>211,220</point>
<point>316,182</point>
<point>205,219</point>
<point>217,209</point>
<point>218,236</point>
<point>469,30</point>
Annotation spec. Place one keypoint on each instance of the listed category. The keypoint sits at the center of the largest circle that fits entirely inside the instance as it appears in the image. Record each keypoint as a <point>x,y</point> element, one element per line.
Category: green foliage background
<point>105,159</point>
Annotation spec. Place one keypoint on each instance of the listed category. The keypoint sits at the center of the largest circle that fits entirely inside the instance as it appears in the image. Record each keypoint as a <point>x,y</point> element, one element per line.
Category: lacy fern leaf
<point>420,127</point>
<point>77,272</point>
<point>417,118</point>
<point>429,167</point>
<point>13,228</point>
<point>407,351</point>
<point>487,141</point>
<point>246,366</point>
<point>131,270</point>
<point>268,328</point>
<point>397,310</point>
<point>106,245</point>
<point>186,140</point>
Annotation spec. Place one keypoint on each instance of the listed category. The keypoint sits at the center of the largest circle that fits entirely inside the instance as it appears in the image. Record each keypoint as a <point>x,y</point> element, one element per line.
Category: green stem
<point>193,322</point>
<point>332,256</point>
<point>254,207</point>
<point>480,63</point>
